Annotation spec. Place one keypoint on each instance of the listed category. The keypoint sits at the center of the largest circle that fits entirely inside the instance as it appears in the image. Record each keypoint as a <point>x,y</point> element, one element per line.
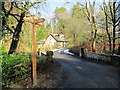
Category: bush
<point>17,67</point>
<point>14,66</point>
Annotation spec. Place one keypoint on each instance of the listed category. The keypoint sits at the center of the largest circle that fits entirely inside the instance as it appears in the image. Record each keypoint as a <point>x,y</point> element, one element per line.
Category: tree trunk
<point>113,40</point>
<point>94,42</point>
<point>110,46</point>
<point>114,27</point>
<point>92,33</point>
<point>118,50</point>
<point>95,33</point>
<point>92,47</point>
<point>74,36</point>
<point>16,35</point>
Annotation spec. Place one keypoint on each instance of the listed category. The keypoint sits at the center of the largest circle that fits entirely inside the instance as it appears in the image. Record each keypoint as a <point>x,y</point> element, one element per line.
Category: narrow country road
<point>84,74</point>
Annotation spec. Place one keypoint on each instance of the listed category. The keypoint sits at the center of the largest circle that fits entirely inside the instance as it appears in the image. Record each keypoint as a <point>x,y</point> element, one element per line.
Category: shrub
<point>14,66</point>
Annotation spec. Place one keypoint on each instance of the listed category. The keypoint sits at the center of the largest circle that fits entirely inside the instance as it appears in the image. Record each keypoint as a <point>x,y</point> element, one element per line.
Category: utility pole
<point>34,22</point>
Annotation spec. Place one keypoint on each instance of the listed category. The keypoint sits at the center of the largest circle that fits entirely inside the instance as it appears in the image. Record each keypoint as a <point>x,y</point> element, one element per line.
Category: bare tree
<point>105,9</point>
<point>89,12</point>
<point>111,14</point>
<point>114,19</point>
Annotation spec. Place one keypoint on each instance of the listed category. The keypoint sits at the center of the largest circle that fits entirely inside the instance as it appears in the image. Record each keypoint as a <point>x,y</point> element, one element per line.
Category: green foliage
<point>2,49</point>
<point>60,10</point>
<point>76,11</point>
<point>42,32</point>
<point>73,26</point>
<point>26,35</point>
<point>14,66</point>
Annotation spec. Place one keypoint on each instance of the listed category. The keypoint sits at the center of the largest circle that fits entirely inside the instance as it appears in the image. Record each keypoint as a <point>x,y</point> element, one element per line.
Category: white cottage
<point>54,40</point>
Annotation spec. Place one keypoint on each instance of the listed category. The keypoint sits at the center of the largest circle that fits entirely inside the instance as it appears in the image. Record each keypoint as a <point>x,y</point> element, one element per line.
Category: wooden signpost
<point>34,22</point>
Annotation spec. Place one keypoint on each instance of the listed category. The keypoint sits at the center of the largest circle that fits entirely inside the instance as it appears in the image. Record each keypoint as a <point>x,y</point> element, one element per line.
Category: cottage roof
<point>41,42</point>
<point>58,38</point>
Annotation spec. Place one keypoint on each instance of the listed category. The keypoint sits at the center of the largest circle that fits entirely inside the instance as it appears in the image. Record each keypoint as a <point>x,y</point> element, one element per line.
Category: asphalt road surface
<point>84,74</point>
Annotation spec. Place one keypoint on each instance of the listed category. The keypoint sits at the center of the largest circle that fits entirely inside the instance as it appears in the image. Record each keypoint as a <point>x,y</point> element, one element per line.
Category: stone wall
<point>98,56</point>
<point>104,57</point>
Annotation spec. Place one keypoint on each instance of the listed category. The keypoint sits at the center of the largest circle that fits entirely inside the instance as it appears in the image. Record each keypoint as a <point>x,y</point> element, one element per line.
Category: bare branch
<point>86,15</point>
<point>105,11</point>
<point>11,7</point>
<point>5,11</point>
<point>117,37</point>
<point>117,24</point>
<point>117,19</point>
<point>34,3</point>
<point>10,30</point>
<point>14,16</point>
<point>109,22</point>
<point>16,5</point>
<point>111,12</point>
<point>3,8</point>
<point>117,8</point>
<point>87,9</point>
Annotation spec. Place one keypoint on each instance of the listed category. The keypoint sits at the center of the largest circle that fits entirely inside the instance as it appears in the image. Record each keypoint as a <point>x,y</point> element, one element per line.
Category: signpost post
<point>34,22</point>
